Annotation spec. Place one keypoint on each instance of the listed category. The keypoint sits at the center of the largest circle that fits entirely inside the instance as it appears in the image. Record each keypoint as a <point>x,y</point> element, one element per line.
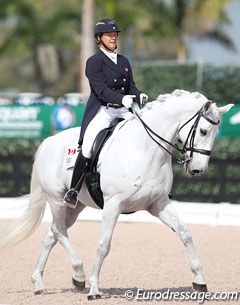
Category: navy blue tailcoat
<point>108,82</point>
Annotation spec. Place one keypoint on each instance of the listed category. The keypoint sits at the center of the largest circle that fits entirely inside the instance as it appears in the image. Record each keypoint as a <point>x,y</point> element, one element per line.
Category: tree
<point>87,45</point>
<point>45,33</point>
<point>41,30</point>
<point>201,19</point>
<point>163,29</point>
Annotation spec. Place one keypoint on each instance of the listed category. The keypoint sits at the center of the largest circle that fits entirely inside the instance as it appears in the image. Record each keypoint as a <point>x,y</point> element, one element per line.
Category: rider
<point>112,93</point>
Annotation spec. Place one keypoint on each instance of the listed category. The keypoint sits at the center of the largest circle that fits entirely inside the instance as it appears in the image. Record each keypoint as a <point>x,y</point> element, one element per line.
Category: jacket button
<point>113,88</point>
<point>122,88</point>
<point>115,80</point>
<point>124,79</point>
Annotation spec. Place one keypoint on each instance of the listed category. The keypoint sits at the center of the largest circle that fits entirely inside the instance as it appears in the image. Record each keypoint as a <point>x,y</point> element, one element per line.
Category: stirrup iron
<point>69,204</point>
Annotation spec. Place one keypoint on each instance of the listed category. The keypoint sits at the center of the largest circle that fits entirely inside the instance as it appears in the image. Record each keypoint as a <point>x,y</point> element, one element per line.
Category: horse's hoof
<point>39,292</point>
<point>94,297</point>
<point>199,287</point>
<point>79,285</point>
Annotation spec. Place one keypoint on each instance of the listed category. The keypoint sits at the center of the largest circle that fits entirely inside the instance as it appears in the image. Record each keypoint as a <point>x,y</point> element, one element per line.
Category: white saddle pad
<point>71,156</point>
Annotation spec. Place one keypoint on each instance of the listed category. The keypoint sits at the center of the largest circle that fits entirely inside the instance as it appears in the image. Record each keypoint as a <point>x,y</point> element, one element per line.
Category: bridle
<point>192,134</point>
<point>190,138</point>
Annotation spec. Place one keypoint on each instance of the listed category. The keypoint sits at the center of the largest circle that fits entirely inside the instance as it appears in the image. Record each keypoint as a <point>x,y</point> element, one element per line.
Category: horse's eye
<point>203,132</point>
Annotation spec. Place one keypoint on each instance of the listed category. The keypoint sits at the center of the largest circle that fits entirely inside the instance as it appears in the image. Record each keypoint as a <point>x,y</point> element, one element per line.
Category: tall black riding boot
<point>80,167</point>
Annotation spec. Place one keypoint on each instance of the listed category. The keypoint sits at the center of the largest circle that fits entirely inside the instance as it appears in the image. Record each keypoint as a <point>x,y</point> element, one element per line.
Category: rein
<point>191,136</point>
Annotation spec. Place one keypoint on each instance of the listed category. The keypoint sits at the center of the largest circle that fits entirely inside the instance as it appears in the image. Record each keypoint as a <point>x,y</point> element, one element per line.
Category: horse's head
<point>198,134</point>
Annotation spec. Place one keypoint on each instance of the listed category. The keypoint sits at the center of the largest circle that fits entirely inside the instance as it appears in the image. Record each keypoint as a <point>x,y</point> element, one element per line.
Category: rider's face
<point>110,40</point>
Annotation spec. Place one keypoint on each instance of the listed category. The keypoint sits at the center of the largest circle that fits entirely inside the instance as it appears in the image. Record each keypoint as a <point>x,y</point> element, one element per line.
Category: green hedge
<point>18,147</point>
<point>225,149</point>
<point>218,83</point>
<point>221,84</point>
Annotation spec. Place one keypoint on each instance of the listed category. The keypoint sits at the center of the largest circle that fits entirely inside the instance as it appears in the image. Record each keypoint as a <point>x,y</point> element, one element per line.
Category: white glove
<point>127,100</point>
<point>143,99</point>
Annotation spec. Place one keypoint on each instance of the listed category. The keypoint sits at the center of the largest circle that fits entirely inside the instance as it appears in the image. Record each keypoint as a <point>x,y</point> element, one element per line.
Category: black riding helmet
<point>105,26</point>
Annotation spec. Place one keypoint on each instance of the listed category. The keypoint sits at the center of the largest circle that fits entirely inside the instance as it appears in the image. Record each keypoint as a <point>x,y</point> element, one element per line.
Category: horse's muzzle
<point>195,172</point>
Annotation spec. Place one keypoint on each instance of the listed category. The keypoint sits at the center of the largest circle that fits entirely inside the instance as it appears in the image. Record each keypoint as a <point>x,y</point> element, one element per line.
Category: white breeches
<point>102,120</point>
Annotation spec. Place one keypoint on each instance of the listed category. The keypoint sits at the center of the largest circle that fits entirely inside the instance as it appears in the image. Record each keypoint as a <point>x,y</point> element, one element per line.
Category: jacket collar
<point>119,67</point>
<point>111,55</point>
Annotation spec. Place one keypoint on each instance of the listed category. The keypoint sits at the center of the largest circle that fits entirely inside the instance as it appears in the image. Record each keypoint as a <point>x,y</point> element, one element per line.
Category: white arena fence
<point>224,214</point>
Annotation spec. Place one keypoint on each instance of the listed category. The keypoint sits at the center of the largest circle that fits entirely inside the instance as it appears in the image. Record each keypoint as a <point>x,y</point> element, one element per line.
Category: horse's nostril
<point>195,171</point>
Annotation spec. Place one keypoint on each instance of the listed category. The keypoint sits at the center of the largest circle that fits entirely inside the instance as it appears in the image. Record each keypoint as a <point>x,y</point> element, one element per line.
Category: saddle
<point>92,176</point>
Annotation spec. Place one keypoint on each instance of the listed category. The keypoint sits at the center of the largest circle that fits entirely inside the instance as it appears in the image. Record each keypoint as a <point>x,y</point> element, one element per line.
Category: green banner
<point>41,121</point>
<point>230,126</point>
<point>38,121</point>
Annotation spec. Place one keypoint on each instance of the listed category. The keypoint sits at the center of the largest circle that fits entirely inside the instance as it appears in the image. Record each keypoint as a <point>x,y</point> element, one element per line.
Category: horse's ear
<point>225,109</point>
<point>207,106</point>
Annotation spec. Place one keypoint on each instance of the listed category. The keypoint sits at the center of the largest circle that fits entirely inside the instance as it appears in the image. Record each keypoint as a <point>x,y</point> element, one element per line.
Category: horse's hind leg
<point>37,276</point>
<point>63,220</point>
<point>167,214</point>
<point>58,232</point>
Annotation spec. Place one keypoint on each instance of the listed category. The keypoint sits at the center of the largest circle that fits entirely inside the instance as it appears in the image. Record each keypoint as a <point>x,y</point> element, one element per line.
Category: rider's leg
<point>99,122</point>
<point>80,167</point>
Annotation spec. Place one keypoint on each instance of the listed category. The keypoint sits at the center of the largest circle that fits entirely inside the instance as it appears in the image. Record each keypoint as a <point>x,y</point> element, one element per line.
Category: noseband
<point>190,137</point>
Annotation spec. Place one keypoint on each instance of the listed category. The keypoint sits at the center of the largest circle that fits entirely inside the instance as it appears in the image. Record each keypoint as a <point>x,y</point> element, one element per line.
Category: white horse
<point>136,174</point>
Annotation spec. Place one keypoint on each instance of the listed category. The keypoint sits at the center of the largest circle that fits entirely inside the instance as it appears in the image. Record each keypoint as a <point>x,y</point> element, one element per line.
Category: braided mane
<point>162,98</point>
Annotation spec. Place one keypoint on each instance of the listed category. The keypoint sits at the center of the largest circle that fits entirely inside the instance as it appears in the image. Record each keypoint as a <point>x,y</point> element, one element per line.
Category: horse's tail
<point>30,220</point>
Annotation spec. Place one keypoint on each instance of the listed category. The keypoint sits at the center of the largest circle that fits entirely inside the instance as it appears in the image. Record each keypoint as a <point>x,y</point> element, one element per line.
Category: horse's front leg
<point>167,214</point>
<point>109,220</point>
